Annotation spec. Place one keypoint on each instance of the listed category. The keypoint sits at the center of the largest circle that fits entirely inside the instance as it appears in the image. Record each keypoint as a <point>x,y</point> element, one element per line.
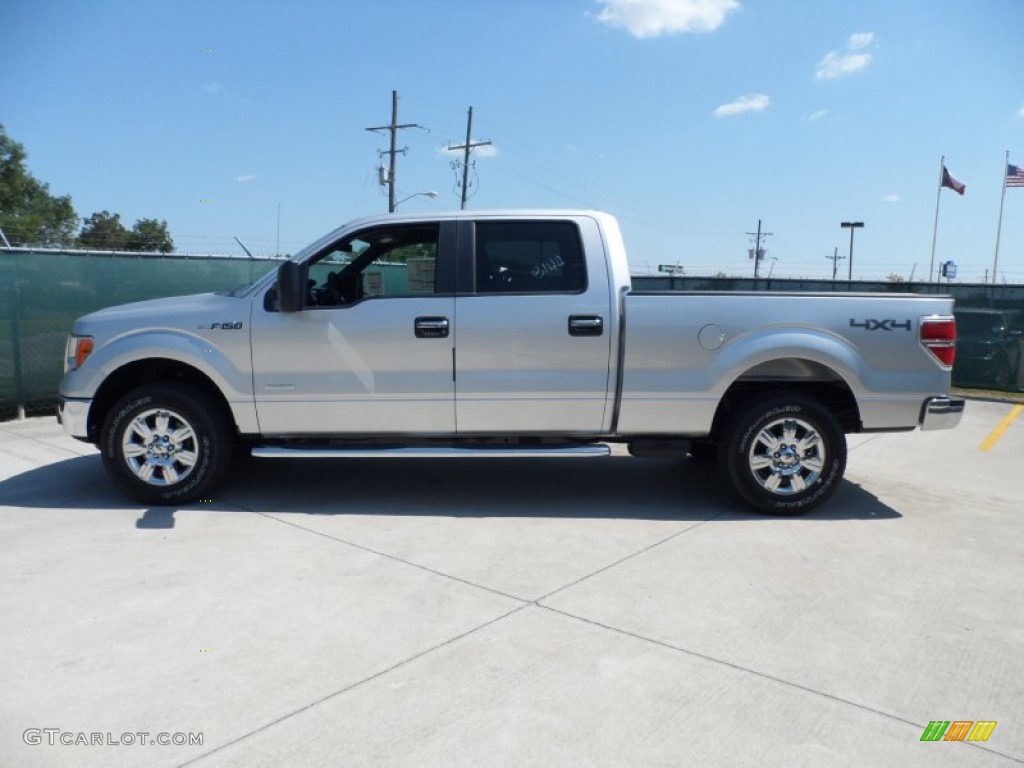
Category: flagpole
<point>935,229</point>
<point>999,227</point>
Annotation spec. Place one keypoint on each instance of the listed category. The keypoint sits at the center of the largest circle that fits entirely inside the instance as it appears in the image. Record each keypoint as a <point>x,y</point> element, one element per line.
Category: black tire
<point>186,453</point>
<point>806,469</point>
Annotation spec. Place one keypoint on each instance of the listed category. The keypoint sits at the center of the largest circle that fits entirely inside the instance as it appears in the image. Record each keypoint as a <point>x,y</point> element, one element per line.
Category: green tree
<point>104,231</point>
<point>150,235</point>
<point>29,214</point>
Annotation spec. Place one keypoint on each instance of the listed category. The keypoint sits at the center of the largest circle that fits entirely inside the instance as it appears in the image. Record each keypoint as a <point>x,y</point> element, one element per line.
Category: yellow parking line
<point>1004,425</point>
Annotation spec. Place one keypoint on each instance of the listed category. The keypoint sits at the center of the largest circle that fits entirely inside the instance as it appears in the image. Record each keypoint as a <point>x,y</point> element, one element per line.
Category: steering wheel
<point>344,288</point>
<point>332,290</point>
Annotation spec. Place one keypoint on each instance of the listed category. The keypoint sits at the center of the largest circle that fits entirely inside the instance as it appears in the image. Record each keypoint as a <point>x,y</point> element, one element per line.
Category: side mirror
<point>290,286</point>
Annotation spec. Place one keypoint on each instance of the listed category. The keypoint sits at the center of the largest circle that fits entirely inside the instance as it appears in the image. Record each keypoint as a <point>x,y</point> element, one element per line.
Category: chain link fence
<point>42,292</point>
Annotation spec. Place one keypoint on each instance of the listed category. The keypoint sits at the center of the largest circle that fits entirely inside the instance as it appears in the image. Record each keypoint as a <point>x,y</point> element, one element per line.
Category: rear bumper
<point>73,415</point>
<point>942,412</point>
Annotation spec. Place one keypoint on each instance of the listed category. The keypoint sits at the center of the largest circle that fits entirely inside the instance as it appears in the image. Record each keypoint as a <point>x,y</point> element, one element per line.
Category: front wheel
<point>165,444</point>
<point>785,454</point>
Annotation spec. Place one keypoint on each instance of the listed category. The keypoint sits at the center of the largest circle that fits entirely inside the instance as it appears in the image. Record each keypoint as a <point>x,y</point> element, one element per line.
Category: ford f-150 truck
<point>500,334</point>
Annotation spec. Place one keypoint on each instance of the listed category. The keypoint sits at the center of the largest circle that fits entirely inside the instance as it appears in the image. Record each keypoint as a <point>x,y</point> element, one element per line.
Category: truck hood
<point>181,312</point>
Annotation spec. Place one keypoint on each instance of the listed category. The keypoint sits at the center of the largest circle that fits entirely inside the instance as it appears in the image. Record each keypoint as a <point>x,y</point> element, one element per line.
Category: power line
<point>393,127</point>
<point>619,199</point>
<point>468,147</point>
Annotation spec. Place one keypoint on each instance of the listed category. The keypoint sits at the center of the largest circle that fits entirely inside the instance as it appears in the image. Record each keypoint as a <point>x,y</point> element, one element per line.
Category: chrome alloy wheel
<point>160,447</point>
<point>787,456</point>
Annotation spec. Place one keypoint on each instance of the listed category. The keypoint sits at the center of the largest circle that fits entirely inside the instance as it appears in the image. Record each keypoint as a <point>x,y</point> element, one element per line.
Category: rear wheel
<point>166,444</point>
<point>784,453</point>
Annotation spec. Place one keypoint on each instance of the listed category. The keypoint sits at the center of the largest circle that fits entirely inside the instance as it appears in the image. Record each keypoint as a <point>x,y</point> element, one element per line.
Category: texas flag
<point>949,181</point>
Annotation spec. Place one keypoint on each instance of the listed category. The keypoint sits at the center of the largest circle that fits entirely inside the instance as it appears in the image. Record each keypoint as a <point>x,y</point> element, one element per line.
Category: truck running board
<point>429,452</point>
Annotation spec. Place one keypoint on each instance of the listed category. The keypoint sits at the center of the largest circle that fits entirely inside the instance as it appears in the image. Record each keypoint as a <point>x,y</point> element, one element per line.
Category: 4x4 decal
<point>880,325</point>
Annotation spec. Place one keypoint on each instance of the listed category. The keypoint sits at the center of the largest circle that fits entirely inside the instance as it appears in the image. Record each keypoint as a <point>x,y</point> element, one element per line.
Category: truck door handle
<point>586,325</point>
<point>431,327</point>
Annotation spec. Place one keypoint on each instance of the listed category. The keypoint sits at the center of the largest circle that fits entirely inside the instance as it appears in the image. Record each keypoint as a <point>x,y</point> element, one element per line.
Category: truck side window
<point>386,262</point>
<point>529,257</point>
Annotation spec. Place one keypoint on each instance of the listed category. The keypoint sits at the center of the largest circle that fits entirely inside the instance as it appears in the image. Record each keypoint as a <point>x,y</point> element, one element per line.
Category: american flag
<point>1014,176</point>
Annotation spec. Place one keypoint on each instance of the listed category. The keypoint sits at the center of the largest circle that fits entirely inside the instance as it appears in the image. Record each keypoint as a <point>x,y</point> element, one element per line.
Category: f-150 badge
<point>880,325</point>
<point>229,326</point>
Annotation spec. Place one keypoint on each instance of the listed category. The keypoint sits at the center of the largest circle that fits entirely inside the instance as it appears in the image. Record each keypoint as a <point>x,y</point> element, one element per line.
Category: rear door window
<point>529,257</point>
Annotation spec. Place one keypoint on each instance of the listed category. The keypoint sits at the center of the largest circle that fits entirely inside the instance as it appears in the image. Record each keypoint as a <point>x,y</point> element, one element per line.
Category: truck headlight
<point>77,350</point>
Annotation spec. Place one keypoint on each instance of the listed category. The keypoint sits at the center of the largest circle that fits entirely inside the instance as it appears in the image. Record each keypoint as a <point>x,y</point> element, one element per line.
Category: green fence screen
<point>43,292</point>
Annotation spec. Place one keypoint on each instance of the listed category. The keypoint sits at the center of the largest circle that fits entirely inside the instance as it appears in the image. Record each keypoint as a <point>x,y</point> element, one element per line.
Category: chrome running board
<point>429,452</point>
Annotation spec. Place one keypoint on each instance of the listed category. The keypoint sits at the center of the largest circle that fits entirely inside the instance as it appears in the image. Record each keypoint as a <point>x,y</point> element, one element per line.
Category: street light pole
<point>851,225</point>
<point>431,194</point>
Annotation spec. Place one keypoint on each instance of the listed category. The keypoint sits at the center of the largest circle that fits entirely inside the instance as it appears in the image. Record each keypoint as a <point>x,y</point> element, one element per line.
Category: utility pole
<point>757,245</point>
<point>468,147</point>
<point>394,128</point>
<point>836,258</point>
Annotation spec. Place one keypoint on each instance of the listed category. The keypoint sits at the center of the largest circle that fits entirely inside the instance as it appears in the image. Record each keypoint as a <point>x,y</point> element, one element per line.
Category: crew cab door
<point>535,324</point>
<point>370,352</point>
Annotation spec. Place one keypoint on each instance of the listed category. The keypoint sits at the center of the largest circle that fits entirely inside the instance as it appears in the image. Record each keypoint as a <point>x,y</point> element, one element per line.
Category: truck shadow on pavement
<point>613,487</point>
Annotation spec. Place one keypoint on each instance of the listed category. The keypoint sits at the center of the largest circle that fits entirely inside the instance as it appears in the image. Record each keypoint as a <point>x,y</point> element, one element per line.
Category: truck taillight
<point>938,336</point>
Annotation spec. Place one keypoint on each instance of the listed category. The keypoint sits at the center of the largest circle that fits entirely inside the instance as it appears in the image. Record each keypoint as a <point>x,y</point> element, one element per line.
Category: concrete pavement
<point>524,612</point>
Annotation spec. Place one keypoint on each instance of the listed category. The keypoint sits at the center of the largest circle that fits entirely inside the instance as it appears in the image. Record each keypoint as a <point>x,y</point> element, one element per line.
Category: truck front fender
<point>227,366</point>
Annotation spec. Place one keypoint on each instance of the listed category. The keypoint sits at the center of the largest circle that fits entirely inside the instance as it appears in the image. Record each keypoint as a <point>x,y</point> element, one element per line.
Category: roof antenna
<point>243,247</point>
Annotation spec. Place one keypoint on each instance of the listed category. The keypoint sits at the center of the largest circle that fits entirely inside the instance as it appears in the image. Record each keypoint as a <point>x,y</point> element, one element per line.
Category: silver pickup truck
<point>500,334</point>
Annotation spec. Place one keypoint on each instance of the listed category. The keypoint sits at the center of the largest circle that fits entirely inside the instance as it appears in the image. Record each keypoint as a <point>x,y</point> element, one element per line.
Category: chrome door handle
<point>586,325</point>
<point>431,327</point>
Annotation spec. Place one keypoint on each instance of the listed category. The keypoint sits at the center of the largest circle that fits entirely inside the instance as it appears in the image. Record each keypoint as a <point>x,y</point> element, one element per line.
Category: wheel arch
<point>151,371</point>
<point>791,374</point>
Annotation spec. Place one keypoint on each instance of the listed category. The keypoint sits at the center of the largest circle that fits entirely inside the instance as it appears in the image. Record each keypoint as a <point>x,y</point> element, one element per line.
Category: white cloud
<point>755,102</point>
<point>488,150</point>
<point>836,65</point>
<point>817,115</point>
<point>1020,112</point>
<point>212,87</point>
<point>891,199</point>
<point>860,40</point>
<point>652,18</point>
<point>852,58</point>
<point>245,178</point>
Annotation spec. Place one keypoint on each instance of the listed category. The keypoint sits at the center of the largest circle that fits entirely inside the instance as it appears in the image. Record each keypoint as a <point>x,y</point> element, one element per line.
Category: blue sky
<point>688,119</point>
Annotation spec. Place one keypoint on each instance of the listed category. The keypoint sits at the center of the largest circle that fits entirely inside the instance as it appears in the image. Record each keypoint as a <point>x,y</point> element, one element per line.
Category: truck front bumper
<point>942,412</point>
<point>73,415</point>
